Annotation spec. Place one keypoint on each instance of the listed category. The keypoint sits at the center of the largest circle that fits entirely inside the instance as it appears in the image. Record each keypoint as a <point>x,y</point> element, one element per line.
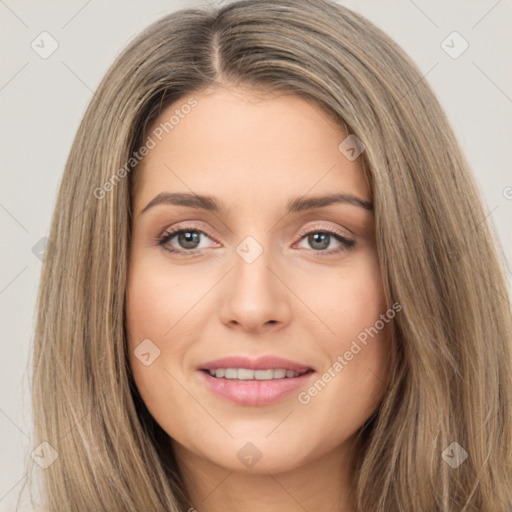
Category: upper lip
<point>261,363</point>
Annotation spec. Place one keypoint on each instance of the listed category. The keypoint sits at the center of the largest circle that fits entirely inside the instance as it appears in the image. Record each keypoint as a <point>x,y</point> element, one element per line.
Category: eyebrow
<point>296,204</point>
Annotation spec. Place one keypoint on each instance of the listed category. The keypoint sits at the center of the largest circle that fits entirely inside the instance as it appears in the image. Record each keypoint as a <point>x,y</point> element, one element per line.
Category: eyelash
<point>163,240</point>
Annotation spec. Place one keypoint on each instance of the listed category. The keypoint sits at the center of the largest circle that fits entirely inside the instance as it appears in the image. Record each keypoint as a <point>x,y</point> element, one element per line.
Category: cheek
<point>354,301</point>
<point>358,352</point>
<point>156,306</point>
<point>156,300</point>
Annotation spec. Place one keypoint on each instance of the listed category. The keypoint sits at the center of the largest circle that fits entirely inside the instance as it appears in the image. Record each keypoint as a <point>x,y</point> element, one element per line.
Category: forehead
<point>247,147</point>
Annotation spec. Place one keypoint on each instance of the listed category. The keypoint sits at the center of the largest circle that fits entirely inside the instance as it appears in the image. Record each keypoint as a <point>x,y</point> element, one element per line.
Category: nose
<point>255,299</point>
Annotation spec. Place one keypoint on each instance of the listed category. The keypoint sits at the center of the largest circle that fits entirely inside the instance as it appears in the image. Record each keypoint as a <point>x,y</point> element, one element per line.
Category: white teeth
<point>231,373</point>
<point>263,374</point>
<point>243,374</point>
<point>246,374</point>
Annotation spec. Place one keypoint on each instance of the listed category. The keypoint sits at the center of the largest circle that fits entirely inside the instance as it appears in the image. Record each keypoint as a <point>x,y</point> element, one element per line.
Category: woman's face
<point>263,273</point>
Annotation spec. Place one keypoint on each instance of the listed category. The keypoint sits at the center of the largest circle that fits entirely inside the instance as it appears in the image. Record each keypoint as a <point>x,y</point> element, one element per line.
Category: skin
<point>254,152</point>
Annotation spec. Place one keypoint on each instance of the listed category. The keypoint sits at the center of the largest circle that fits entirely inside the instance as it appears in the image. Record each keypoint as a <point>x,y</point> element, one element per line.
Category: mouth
<point>259,382</point>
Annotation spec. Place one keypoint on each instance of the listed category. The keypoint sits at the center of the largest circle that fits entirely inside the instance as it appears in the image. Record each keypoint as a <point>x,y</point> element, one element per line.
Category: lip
<point>262,363</point>
<point>254,392</point>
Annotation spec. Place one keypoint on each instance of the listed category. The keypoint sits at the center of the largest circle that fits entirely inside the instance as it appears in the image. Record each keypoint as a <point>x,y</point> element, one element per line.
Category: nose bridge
<point>255,296</point>
<point>252,261</point>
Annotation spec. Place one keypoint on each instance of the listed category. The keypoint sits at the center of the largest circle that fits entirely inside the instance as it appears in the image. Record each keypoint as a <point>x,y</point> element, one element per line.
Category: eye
<point>320,238</point>
<point>188,240</point>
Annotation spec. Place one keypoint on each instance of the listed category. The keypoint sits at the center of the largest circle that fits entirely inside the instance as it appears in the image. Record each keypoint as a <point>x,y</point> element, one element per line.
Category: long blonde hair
<point>450,380</point>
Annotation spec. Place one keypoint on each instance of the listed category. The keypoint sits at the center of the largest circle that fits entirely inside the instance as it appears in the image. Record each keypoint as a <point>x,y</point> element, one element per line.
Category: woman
<point>270,284</point>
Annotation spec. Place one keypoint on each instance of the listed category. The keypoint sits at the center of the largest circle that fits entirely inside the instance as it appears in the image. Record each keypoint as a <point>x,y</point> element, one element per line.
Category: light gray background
<point>42,102</point>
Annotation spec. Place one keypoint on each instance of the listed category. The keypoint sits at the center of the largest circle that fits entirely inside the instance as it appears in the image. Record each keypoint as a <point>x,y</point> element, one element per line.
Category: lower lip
<point>255,392</point>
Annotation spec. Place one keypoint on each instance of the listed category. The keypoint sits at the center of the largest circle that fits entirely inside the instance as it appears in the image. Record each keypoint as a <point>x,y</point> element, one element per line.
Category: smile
<point>242,386</point>
<point>247,374</point>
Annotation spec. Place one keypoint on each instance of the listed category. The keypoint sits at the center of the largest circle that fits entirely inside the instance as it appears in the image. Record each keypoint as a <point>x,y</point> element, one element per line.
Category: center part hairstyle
<point>450,378</point>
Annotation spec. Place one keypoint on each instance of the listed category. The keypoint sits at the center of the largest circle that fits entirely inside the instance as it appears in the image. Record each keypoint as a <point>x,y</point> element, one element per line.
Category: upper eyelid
<point>175,230</point>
